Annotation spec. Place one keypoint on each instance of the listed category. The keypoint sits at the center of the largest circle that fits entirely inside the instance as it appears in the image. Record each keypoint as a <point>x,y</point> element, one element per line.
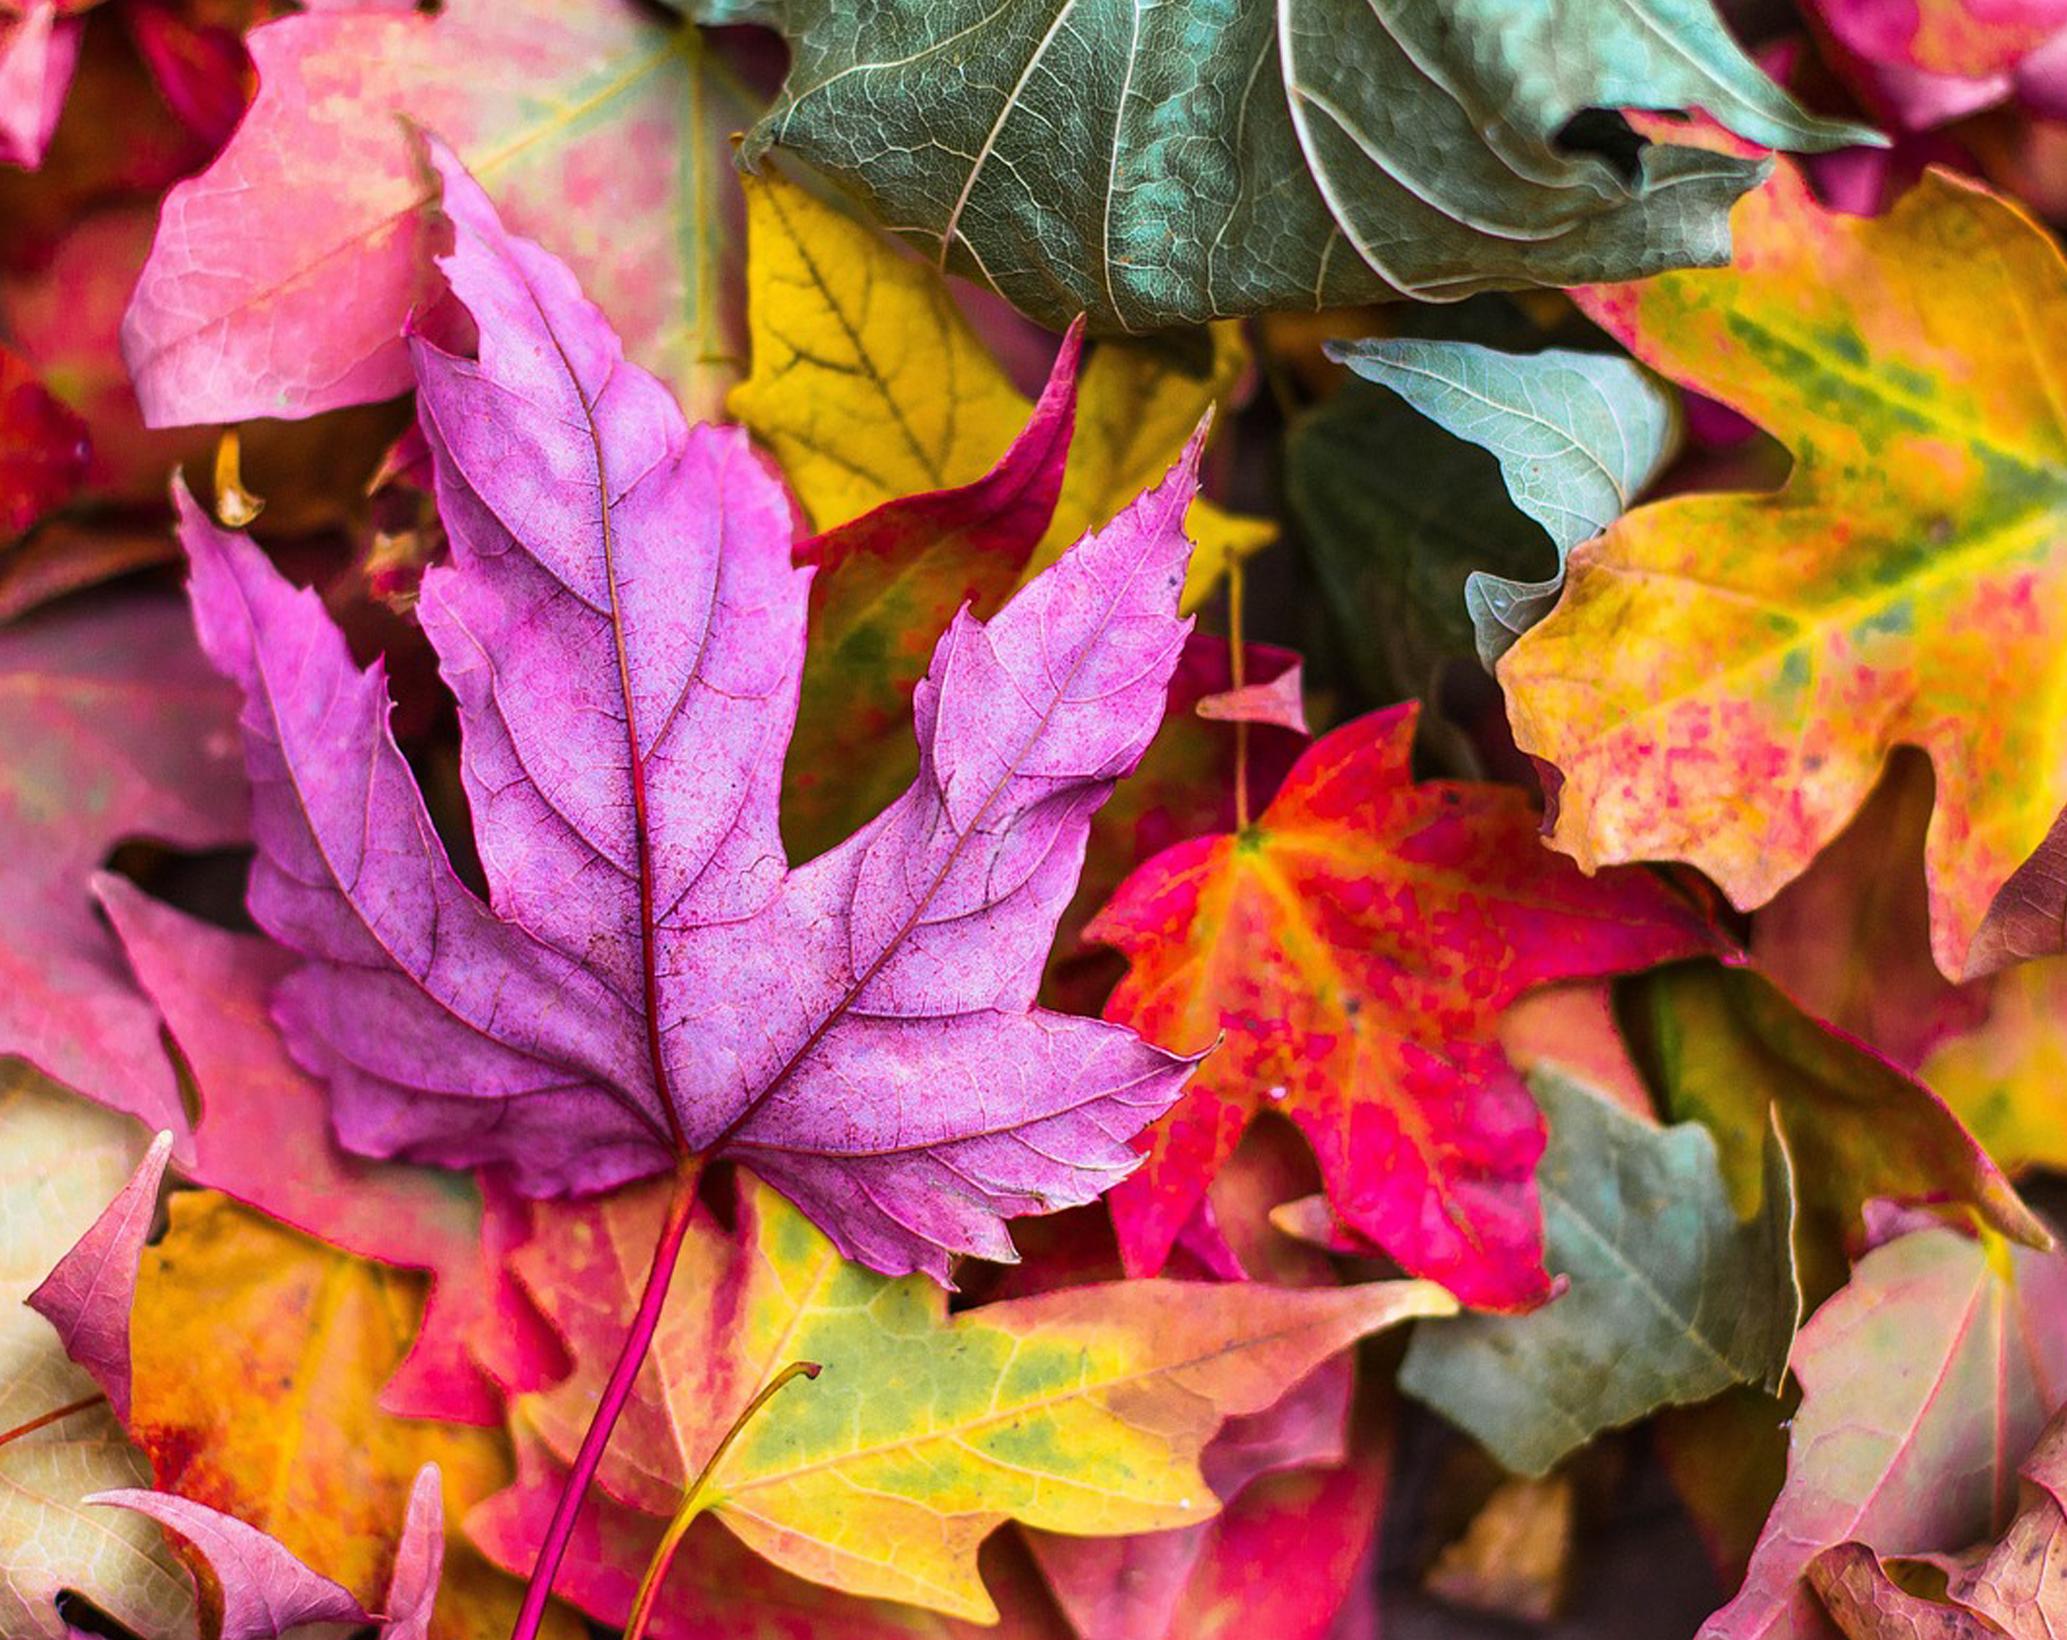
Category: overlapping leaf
<point>114,729</point>
<point>1924,1383</point>
<point>1726,674</point>
<point>1727,1048</point>
<point>2017,1589</point>
<point>1082,1410</point>
<point>1351,952</point>
<point>61,1161</point>
<point>594,123</point>
<point>1577,436</point>
<point>868,385</point>
<point>622,628</point>
<point>258,1356</point>
<point>1156,167</point>
<point>1671,1300</point>
<point>264,1138</point>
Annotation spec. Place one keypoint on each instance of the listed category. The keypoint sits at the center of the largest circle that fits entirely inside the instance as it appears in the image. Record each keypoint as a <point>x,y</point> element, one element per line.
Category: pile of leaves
<point>1113,823</point>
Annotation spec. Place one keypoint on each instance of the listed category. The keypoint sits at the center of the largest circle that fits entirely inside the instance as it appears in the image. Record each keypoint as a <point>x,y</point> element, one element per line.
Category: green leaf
<point>1577,437</point>
<point>1160,165</point>
<point>1673,1299</point>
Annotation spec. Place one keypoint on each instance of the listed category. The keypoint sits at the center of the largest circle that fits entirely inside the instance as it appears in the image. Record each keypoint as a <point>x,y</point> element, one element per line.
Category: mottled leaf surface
<point>1727,673</point>
<point>1082,1410</point>
<point>258,1359</point>
<point>1160,166</point>
<point>1351,953</point>
<point>1577,436</point>
<point>1672,1299</point>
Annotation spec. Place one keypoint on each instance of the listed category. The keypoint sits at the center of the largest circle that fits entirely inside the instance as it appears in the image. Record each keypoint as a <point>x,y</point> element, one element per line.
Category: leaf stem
<point>667,1251</point>
<point>692,1502</point>
<point>50,1418</point>
<point>1236,670</point>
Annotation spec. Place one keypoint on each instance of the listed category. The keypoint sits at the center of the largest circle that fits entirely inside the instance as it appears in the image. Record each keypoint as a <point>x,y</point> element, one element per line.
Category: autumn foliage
<point>891,821</point>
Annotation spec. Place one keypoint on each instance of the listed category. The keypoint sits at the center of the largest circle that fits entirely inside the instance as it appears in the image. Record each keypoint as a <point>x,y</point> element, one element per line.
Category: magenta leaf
<point>266,1590</point>
<point>87,1296</point>
<point>623,630</point>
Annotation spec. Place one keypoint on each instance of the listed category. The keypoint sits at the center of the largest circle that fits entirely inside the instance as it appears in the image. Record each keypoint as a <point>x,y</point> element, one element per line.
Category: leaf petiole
<point>667,1251</point>
<point>58,1416</point>
<point>1236,673</point>
<point>692,1501</point>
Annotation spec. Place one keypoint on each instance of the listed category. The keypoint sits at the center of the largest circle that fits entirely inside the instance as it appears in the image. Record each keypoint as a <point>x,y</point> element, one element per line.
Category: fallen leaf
<point>862,1028</point>
<point>61,1160</point>
<point>2020,1585</point>
<point>1572,1026</point>
<point>1515,1558</point>
<point>1577,436</point>
<point>263,1589</point>
<point>282,275</point>
<point>1285,1549</point>
<point>1280,703</point>
<point>1672,1299</point>
<point>1867,1604</point>
<point>115,728</point>
<point>42,447</point>
<point>1850,938</point>
<point>258,1357</point>
<point>1352,953</point>
<point>719,1589</point>
<point>38,52</point>
<point>63,557</point>
<point>1727,1460</point>
<point>1922,1383</point>
<point>1932,61</point>
<point>884,584</point>
<point>868,385</point>
<point>419,1561</point>
<point>1082,1410</point>
<point>1769,651</point>
<point>263,1136</point>
<point>1165,168</point>
<point>1183,787</point>
<point>88,1292</point>
<point>2003,1078</point>
<point>1726,1047</point>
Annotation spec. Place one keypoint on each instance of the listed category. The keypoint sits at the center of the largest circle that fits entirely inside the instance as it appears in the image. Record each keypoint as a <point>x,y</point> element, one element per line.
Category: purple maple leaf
<point>623,630</point>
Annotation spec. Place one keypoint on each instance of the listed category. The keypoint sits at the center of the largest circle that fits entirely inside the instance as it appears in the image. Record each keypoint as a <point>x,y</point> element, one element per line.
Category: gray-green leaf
<point>1578,436</point>
<point>1154,165</point>
<point>1672,1298</point>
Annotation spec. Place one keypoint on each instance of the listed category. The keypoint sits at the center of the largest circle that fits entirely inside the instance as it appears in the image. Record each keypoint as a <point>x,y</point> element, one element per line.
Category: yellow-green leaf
<point>1082,1410</point>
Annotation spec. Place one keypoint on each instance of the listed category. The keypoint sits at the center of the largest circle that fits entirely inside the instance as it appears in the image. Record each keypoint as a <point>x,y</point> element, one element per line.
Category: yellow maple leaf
<point>1726,674</point>
<point>258,1356</point>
